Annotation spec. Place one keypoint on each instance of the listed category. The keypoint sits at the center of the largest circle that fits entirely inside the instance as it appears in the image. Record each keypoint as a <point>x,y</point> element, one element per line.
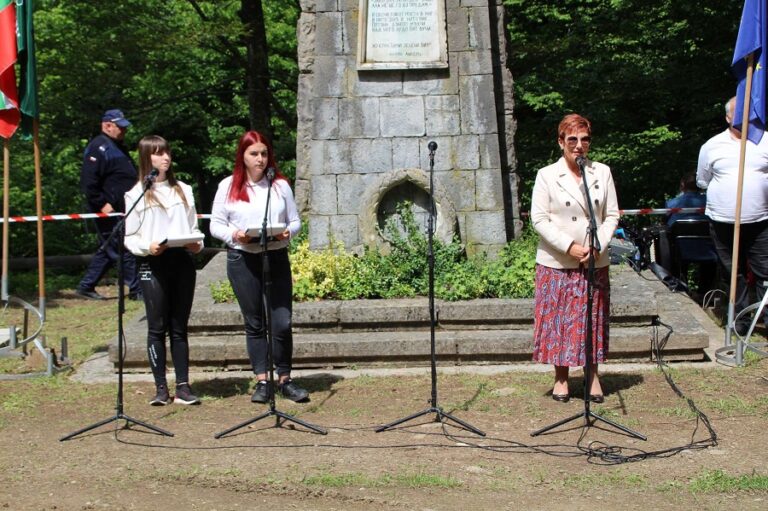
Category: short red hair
<point>572,122</point>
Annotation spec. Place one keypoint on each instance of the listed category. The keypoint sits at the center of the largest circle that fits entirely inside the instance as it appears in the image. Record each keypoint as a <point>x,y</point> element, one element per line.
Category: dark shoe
<point>162,397</point>
<point>136,296</point>
<point>291,391</point>
<point>562,398</point>
<point>262,393</point>
<point>184,395</point>
<point>91,294</point>
<point>597,398</point>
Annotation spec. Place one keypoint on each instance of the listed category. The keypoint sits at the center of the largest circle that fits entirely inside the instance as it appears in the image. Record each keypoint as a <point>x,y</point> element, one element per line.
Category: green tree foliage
<point>651,75</point>
<point>177,68</point>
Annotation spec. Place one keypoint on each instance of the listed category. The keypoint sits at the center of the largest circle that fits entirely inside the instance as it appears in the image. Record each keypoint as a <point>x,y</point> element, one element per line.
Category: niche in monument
<point>390,190</point>
<point>404,194</point>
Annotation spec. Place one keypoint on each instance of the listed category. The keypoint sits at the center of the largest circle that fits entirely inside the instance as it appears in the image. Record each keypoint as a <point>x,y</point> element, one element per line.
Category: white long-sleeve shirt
<point>228,217</point>
<point>718,172</point>
<point>152,222</point>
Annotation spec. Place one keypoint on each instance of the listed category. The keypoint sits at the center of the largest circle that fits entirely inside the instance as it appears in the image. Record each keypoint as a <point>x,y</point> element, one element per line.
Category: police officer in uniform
<point>107,173</point>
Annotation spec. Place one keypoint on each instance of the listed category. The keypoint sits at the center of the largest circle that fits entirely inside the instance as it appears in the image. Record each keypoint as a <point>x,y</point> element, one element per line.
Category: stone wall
<point>362,134</point>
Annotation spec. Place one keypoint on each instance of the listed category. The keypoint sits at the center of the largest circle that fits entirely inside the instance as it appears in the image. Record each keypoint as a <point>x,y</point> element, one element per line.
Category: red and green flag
<point>25,44</point>
<point>9,96</point>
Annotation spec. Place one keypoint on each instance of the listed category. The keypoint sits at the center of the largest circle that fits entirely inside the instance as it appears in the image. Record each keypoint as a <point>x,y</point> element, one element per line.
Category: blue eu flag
<point>752,38</point>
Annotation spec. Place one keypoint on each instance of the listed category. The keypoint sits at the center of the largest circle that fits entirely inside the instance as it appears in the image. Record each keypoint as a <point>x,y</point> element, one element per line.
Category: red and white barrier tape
<point>72,216</point>
<point>659,211</point>
<point>83,216</point>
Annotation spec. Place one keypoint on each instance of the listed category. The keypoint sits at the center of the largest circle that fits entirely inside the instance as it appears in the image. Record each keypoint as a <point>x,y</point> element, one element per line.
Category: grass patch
<point>613,480</point>
<point>613,415</point>
<point>717,481</point>
<point>407,480</point>
<point>678,412</point>
<point>731,405</point>
<point>88,327</point>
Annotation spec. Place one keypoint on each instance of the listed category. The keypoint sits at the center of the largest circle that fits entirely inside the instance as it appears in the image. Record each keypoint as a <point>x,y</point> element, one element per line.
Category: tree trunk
<point>257,66</point>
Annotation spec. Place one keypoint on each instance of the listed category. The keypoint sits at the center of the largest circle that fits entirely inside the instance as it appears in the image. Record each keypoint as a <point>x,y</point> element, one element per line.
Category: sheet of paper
<point>255,232</point>
<point>180,241</point>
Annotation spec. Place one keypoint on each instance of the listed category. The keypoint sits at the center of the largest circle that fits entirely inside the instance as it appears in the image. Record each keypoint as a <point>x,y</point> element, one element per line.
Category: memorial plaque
<point>402,34</point>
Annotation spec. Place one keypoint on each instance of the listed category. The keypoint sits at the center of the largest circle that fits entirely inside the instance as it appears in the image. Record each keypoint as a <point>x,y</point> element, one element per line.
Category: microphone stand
<point>440,415</point>
<point>594,247</point>
<point>119,231</point>
<point>266,299</point>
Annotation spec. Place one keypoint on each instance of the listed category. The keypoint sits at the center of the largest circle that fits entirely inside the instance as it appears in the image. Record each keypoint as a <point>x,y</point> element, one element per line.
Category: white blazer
<point>559,212</point>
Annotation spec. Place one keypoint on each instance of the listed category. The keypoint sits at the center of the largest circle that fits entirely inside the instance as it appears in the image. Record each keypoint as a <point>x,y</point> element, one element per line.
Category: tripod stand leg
<point>439,416</point>
<point>244,424</point>
<point>460,423</point>
<point>559,423</point>
<point>88,428</point>
<point>144,424</point>
<point>291,418</point>
<point>618,426</point>
<point>278,415</point>
<point>116,418</point>
<point>400,421</point>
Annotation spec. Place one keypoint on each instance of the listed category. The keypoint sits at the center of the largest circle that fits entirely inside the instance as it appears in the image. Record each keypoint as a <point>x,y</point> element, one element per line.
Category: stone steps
<point>397,332</point>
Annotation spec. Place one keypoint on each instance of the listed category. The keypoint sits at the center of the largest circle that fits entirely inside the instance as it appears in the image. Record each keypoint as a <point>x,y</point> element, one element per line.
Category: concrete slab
<point>396,332</point>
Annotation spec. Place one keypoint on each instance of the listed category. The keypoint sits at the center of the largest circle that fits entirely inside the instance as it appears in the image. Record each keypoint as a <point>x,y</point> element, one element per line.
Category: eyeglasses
<point>572,141</point>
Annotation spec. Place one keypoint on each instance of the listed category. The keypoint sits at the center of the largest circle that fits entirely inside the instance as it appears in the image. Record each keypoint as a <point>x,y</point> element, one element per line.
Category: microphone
<point>150,178</point>
<point>432,146</point>
<point>270,174</point>
<point>581,161</point>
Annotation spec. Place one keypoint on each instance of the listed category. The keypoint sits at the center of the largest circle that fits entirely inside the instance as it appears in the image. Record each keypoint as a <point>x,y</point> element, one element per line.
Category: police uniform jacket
<point>107,173</point>
<point>560,215</point>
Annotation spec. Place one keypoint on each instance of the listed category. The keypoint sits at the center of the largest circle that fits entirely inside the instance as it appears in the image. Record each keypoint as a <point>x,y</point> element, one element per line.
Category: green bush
<point>403,271</point>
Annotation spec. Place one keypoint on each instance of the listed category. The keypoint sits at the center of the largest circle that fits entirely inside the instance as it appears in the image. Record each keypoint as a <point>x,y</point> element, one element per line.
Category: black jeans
<point>168,283</point>
<point>244,272</point>
<point>105,259</point>
<point>753,247</point>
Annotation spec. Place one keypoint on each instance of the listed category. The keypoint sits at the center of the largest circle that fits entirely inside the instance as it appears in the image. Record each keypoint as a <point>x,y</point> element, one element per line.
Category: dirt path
<point>420,466</point>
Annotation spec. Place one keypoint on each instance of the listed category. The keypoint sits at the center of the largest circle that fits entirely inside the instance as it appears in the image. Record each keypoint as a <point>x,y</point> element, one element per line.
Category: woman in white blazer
<point>561,218</point>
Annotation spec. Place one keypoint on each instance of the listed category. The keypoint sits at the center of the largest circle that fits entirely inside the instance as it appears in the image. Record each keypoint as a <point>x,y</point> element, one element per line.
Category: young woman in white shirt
<point>165,211</point>
<point>240,204</point>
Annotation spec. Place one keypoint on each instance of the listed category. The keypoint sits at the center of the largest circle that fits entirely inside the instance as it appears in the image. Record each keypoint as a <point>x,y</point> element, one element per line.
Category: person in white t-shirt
<point>718,172</point>
<point>165,212</point>
<point>238,207</point>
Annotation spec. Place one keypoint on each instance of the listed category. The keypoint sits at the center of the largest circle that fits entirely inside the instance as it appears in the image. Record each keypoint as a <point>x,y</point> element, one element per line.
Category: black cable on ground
<point>596,452</point>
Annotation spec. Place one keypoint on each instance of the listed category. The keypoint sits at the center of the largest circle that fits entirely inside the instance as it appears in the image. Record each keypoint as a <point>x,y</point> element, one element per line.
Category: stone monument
<point>379,80</point>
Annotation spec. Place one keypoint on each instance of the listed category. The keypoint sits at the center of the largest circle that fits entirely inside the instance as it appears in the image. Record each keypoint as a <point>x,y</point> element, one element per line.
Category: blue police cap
<point>117,117</point>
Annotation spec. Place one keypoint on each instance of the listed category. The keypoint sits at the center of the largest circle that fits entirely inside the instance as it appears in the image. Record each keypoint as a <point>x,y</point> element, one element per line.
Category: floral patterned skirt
<point>560,317</point>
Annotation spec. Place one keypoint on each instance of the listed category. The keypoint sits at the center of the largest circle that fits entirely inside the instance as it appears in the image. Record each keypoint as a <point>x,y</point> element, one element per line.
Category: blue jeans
<point>753,247</point>
<point>105,259</point>
<point>244,270</point>
<point>168,283</point>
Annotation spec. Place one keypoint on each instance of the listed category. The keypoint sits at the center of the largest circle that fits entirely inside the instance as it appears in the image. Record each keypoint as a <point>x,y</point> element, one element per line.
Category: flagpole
<point>737,214</point>
<point>6,191</point>
<point>39,201</point>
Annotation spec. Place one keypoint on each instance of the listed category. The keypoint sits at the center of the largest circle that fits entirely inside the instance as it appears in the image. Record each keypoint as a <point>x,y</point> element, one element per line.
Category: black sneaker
<point>261,394</point>
<point>291,391</point>
<point>91,294</point>
<point>184,395</point>
<point>162,397</point>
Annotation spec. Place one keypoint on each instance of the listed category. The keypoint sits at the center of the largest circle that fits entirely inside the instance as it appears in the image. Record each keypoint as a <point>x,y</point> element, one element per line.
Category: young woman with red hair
<point>240,204</point>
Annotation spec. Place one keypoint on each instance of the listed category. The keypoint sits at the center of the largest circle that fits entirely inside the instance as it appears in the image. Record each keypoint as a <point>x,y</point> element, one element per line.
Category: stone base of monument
<point>397,332</point>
